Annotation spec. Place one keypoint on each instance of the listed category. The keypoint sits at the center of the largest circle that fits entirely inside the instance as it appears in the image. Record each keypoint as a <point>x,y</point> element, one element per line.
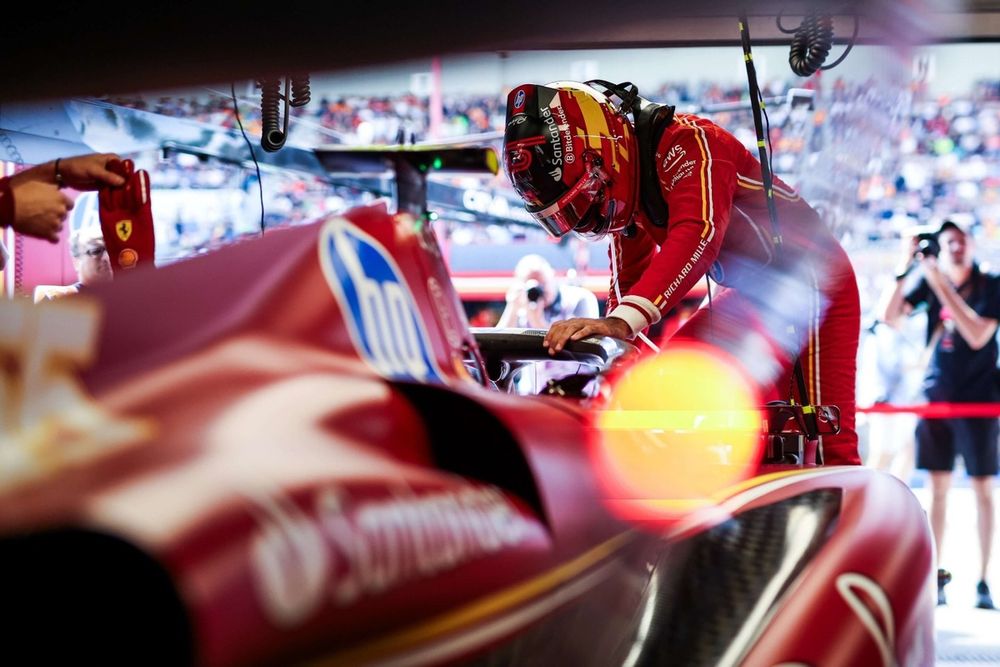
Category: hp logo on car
<point>377,305</point>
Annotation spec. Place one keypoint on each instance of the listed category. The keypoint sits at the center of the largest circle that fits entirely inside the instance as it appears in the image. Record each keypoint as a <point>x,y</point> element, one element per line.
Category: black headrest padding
<point>650,119</point>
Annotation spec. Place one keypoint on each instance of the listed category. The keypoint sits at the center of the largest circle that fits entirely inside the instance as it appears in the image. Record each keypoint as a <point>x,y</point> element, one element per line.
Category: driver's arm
<point>698,181</point>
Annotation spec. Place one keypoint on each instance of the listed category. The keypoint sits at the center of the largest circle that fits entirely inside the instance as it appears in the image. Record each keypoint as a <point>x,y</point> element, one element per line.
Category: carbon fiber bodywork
<point>706,600</point>
<point>715,599</point>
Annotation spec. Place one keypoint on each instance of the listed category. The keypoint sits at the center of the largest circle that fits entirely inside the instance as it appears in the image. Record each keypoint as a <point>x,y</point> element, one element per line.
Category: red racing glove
<point>127,218</point>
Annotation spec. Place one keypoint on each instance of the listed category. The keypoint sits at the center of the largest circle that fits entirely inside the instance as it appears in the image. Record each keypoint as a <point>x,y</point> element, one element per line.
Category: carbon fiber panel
<point>702,597</point>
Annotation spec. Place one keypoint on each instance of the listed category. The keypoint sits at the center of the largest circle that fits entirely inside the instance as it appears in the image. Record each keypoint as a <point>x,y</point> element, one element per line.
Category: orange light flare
<point>680,429</point>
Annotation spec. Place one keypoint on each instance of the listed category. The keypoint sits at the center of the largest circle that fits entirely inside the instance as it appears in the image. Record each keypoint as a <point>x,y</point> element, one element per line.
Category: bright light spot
<point>492,163</point>
<point>681,427</point>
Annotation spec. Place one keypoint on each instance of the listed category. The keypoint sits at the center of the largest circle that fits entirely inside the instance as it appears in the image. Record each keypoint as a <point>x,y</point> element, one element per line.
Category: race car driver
<point>680,198</point>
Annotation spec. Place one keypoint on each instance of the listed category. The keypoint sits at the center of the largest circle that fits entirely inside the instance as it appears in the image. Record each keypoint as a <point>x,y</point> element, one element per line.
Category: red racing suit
<point>799,298</point>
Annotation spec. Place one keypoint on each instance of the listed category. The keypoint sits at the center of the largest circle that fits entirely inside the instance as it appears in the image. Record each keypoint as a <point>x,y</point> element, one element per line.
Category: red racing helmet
<point>572,156</point>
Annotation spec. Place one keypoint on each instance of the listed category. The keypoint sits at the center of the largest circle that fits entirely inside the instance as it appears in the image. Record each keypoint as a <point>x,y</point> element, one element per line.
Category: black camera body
<point>927,245</point>
<point>533,290</point>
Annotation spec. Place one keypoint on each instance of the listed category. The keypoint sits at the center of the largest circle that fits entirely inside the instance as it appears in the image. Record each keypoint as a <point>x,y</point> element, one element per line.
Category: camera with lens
<point>927,245</point>
<point>533,290</point>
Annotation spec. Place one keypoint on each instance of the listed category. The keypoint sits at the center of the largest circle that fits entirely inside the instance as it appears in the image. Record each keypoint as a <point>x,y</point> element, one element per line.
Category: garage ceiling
<point>58,51</point>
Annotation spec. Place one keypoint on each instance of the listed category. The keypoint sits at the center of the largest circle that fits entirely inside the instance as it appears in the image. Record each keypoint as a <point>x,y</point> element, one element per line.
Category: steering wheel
<point>506,350</point>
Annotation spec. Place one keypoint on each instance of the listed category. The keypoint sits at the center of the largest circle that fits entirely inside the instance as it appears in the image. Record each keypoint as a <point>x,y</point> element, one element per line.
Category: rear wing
<point>409,166</point>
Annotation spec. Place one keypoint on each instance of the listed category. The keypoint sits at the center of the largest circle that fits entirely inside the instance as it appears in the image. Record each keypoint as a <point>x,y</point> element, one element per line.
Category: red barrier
<point>937,410</point>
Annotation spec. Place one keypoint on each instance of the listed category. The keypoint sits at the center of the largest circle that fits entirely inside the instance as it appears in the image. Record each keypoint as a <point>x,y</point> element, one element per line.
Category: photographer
<point>963,308</point>
<point>537,299</point>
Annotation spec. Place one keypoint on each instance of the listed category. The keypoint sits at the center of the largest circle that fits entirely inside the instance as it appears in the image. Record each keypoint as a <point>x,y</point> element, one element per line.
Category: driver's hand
<point>580,327</point>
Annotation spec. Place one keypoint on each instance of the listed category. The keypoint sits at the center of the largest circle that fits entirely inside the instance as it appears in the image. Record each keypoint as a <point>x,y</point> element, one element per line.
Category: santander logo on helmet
<point>572,159</point>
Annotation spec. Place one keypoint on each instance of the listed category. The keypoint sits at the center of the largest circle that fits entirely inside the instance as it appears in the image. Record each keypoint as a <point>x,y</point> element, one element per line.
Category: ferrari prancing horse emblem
<point>124,229</point>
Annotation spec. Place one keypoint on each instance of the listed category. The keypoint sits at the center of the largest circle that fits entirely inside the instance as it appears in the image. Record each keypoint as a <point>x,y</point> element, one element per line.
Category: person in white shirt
<point>537,298</point>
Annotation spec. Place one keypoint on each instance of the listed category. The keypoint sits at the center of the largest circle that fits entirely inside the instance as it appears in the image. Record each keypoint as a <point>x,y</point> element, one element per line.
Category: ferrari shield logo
<point>124,229</point>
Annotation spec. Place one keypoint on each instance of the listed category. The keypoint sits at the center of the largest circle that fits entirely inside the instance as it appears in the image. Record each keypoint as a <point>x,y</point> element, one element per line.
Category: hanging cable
<point>253,155</point>
<point>272,131</point>
<point>301,93</point>
<point>274,118</point>
<point>767,176</point>
<point>811,43</point>
<point>755,105</point>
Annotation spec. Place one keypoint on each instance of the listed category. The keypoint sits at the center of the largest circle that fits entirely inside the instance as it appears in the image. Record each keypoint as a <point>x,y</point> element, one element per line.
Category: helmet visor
<point>580,210</point>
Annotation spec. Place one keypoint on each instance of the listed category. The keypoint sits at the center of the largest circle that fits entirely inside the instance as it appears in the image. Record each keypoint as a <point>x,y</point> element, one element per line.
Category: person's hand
<point>39,209</point>
<point>517,296</point>
<point>535,315</point>
<point>90,172</point>
<point>910,256</point>
<point>562,332</point>
<point>932,272</point>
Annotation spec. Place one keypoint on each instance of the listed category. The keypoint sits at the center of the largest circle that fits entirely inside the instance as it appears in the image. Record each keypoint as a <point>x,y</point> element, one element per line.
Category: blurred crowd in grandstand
<point>887,160</point>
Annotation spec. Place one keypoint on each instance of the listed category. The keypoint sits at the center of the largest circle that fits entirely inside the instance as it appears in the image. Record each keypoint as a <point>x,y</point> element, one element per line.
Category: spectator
<point>537,298</point>
<point>963,305</point>
<point>91,261</point>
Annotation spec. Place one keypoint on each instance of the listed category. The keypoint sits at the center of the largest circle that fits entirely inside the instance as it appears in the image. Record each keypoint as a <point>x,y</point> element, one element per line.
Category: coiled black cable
<point>272,137</point>
<point>811,44</point>
<point>301,94</point>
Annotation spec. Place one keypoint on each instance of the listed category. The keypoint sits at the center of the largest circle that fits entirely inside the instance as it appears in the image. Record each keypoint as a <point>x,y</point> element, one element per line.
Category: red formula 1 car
<point>295,451</point>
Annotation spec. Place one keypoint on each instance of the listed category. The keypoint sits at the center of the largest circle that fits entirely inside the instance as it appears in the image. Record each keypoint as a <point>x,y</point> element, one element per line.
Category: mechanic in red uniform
<point>682,198</point>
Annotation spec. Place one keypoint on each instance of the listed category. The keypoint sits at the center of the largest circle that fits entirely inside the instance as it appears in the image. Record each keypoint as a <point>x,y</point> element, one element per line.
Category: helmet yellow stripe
<point>594,122</point>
